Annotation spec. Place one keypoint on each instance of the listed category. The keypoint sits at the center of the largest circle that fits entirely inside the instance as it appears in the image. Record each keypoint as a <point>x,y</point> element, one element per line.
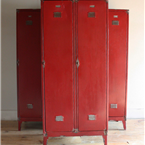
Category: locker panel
<point>92,50</point>
<point>117,61</point>
<point>58,65</point>
<point>29,64</point>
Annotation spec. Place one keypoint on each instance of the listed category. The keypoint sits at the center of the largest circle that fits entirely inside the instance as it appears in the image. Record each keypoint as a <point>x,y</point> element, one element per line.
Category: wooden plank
<point>31,134</point>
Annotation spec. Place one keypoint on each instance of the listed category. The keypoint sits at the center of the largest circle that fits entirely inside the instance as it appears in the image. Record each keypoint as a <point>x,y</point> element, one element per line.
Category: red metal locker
<point>118,64</point>
<point>92,80</point>
<point>29,65</point>
<point>58,65</point>
<point>74,94</point>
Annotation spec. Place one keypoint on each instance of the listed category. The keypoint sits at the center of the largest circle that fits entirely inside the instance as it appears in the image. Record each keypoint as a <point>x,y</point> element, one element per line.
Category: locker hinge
<point>127,11</point>
<point>75,130</point>
<point>45,134</point>
<point>43,63</point>
<point>17,11</point>
<point>105,132</point>
<point>76,1</point>
<point>125,118</point>
<point>18,62</point>
<point>106,1</point>
<point>77,63</point>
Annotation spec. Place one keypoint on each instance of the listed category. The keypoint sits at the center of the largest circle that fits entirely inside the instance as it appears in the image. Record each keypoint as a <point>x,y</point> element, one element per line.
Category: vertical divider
<point>42,69</point>
<point>77,69</point>
<point>107,65</point>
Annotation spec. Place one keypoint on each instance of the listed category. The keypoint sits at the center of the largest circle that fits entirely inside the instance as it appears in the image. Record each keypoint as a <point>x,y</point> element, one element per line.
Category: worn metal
<point>74,82</point>
<point>43,63</point>
<point>75,130</point>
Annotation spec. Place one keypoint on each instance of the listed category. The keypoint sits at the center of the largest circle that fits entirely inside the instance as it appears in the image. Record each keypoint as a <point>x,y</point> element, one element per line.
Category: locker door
<point>118,23</point>
<point>29,64</point>
<point>92,50</point>
<point>58,65</point>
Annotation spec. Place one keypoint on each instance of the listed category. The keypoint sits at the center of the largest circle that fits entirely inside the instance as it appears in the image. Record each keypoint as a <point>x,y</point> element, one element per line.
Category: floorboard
<point>31,134</point>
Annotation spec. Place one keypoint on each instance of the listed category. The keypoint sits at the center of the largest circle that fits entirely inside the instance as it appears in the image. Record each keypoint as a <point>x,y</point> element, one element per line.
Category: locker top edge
<point>27,10</point>
<point>119,10</point>
<point>72,0</point>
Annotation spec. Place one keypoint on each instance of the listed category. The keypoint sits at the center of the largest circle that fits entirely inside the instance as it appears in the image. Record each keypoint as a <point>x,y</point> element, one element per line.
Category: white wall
<point>9,90</point>
<point>136,54</point>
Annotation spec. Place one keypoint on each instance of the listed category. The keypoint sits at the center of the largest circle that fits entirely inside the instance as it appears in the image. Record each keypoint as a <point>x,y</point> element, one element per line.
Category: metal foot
<point>124,124</point>
<point>105,139</point>
<point>45,140</point>
<point>19,125</point>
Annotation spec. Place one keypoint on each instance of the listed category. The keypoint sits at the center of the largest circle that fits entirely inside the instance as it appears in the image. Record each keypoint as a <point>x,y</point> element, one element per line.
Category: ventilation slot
<point>29,22</point>
<point>113,106</point>
<point>57,14</point>
<point>91,14</point>
<point>58,6</point>
<point>115,22</point>
<point>92,6</point>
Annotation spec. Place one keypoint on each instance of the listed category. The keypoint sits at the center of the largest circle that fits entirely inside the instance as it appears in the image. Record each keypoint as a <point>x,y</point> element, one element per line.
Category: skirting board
<point>132,113</point>
<point>8,115</point>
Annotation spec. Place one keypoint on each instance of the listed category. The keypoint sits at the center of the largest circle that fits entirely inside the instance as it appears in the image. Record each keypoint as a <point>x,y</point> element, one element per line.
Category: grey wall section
<point>9,82</point>
<point>0,58</point>
<point>136,55</point>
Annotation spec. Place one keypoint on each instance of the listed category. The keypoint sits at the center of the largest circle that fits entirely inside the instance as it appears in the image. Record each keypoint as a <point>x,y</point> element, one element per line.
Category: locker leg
<point>45,140</point>
<point>124,124</point>
<point>105,139</point>
<point>19,125</point>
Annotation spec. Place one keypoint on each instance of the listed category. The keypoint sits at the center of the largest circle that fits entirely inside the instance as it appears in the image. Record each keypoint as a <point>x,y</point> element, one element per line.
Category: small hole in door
<point>115,16</point>
<point>58,6</point>
<point>92,6</point>
<point>29,16</point>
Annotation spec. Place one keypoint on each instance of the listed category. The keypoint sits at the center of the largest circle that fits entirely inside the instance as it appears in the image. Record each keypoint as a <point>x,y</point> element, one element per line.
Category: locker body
<point>118,64</point>
<point>58,65</point>
<point>92,84</point>
<point>29,65</point>
<point>74,68</point>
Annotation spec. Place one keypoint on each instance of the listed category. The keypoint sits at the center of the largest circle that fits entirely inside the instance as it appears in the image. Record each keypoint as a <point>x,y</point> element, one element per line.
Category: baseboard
<point>132,113</point>
<point>9,115</point>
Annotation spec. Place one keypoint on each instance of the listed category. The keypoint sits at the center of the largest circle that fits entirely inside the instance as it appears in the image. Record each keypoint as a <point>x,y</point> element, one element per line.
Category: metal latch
<point>18,62</point>
<point>43,63</point>
<point>77,63</point>
<point>105,132</point>
<point>75,130</point>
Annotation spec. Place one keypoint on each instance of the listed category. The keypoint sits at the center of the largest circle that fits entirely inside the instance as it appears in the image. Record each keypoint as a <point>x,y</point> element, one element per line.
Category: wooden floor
<point>31,134</point>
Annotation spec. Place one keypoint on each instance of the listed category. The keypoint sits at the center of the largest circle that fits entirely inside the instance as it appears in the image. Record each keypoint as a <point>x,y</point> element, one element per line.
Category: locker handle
<point>77,63</point>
